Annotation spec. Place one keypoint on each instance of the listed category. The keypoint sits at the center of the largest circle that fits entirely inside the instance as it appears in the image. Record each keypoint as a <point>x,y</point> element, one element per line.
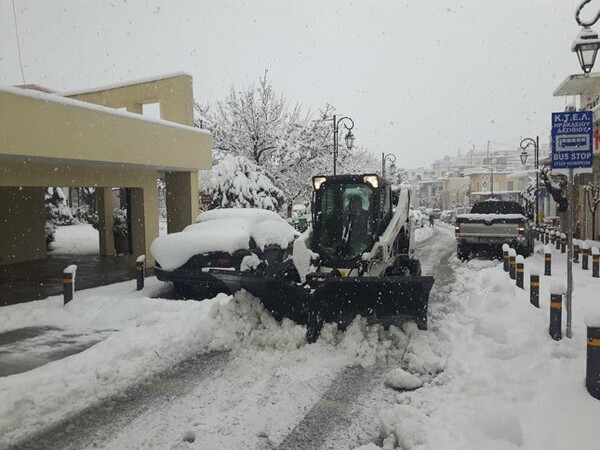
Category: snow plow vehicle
<point>355,259</point>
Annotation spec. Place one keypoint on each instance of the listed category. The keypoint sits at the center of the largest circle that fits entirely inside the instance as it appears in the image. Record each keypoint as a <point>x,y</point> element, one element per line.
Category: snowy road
<point>257,395</point>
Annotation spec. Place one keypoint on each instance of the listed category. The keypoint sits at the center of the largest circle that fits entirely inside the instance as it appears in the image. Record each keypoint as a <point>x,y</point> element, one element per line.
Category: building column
<point>182,199</point>
<point>22,224</point>
<point>105,221</point>
<point>144,220</point>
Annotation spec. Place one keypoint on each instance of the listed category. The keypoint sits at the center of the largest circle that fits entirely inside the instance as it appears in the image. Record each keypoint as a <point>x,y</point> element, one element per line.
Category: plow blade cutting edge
<point>387,300</point>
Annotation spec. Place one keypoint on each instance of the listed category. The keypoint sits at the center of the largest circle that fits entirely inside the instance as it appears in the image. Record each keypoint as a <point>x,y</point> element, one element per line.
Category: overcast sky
<point>421,79</point>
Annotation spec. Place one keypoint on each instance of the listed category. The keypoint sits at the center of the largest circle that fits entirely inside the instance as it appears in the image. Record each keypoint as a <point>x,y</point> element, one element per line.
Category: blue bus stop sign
<point>572,140</point>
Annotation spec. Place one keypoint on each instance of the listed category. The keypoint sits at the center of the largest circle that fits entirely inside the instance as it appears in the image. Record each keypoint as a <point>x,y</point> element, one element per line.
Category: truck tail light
<point>223,259</point>
<point>521,230</point>
<point>457,229</point>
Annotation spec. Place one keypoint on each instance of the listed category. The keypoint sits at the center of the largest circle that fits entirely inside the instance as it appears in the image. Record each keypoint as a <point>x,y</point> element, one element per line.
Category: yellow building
<point>98,138</point>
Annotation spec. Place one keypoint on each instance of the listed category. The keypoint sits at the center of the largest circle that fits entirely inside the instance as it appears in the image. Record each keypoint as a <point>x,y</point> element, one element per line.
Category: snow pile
<point>505,383</point>
<point>148,336</point>
<point>401,379</point>
<point>244,322</point>
<point>224,230</point>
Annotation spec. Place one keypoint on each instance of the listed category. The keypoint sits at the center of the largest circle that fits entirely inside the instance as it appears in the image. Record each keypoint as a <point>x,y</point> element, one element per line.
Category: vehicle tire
<point>463,251</point>
<point>422,323</point>
<point>414,267</point>
<point>524,250</point>
<point>183,290</point>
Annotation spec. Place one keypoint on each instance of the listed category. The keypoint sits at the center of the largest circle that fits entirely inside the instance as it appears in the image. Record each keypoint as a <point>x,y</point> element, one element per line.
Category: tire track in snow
<point>352,391</point>
<point>97,422</point>
<point>334,411</point>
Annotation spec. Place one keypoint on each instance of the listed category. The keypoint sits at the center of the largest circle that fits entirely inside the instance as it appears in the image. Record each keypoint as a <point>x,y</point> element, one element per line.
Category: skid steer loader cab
<point>349,213</point>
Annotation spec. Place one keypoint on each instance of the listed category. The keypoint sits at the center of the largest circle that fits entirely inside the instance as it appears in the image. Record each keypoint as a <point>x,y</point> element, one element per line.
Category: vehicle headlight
<point>372,180</point>
<point>318,181</point>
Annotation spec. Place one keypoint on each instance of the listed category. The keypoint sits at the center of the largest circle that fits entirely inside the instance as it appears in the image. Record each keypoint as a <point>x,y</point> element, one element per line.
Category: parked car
<point>232,238</point>
<point>490,224</point>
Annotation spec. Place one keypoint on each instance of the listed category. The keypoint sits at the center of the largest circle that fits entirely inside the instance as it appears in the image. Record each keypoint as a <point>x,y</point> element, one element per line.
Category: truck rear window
<point>498,207</point>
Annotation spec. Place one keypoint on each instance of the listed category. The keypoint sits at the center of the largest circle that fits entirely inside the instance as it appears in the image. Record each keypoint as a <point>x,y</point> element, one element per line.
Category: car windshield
<point>497,207</point>
<point>345,220</point>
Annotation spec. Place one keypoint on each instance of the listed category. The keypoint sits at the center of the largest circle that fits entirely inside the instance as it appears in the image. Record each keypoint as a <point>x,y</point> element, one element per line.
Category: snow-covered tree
<point>237,182</point>
<point>290,146</point>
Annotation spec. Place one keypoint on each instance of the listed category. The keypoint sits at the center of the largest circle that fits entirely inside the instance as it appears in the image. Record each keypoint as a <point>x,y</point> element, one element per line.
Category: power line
<point>18,42</point>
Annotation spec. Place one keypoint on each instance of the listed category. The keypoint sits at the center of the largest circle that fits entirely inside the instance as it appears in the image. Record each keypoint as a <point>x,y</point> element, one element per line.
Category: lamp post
<point>349,138</point>
<point>586,43</point>
<point>525,144</point>
<point>384,158</point>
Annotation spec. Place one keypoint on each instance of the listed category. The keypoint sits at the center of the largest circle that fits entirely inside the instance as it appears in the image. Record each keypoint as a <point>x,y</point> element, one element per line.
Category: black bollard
<point>557,239</point>
<point>520,262</point>
<point>505,249</point>
<point>547,261</point>
<point>563,243</point>
<point>555,316</point>
<point>69,283</point>
<point>592,372</point>
<point>534,290</point>
<point>595,262</point>
<point>585,256</point>
<point>576,252</point>
<point>139,269</point>
<point>512,271</point>
<point>547,237</point>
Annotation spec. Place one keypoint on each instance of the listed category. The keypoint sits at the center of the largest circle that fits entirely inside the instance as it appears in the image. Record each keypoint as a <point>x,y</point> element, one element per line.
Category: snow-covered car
<point>233,238</point>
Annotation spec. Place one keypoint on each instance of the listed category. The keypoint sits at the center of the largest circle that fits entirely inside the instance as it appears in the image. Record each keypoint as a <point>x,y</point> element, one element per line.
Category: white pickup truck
<point>490,224</point>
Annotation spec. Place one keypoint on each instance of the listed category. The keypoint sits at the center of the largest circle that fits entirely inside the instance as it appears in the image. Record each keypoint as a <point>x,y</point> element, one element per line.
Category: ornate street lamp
<point>349,138</point>
<point>587,43</point>
<point>384,158</point>
<point>525,144</point>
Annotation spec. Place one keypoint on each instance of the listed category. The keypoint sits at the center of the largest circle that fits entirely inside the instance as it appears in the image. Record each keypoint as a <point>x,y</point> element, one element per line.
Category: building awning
<point>42,127</point>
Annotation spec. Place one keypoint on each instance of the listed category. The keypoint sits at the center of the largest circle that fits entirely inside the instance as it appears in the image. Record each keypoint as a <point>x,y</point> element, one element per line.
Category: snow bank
<point>505,384</point>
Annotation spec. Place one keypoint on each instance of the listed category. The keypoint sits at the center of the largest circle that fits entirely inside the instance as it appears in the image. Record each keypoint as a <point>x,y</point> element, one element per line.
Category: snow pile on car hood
<point>225,230</point>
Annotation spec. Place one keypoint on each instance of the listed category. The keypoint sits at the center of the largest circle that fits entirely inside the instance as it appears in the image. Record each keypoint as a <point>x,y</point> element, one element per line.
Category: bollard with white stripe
<point>595,262</point>
<point>547,260</point>
<point>547,237</point>
<point>534,286</point>
<point>576,244</point>
<point>520,271</point>
<point>552,237</point>
<point>512,264</point>
<point>505,249</point>
<point>69,283</point>
<point>140,264</point>
<point>585,255</point>
<point>563,243</point>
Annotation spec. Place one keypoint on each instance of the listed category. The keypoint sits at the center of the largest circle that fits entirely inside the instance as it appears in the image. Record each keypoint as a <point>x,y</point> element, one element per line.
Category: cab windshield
<point>345,218</point>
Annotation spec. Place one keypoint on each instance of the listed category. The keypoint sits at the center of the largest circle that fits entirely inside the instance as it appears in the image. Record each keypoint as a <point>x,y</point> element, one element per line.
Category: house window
<point>510,185</point>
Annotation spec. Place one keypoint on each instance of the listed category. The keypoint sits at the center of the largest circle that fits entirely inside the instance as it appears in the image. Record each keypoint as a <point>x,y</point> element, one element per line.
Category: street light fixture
<point>349,138</point>
<point>525,144</point>
<point>587,43</point>
<point>384,158</point>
